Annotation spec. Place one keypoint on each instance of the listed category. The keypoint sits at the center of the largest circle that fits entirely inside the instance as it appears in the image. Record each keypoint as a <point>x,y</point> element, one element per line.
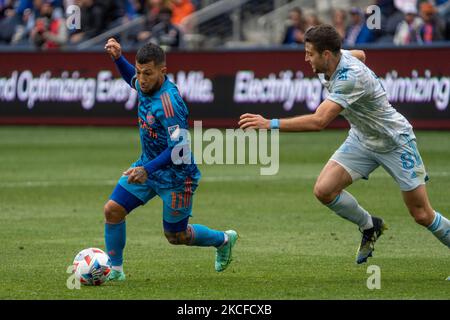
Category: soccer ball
<point>91,266</point>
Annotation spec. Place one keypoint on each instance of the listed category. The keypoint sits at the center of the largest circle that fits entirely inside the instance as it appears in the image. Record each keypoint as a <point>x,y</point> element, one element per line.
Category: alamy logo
<point>230,147</point>
<point>73,17</point>
<point>72,281</point>
<point>374,17</point>
<point>374,280</point>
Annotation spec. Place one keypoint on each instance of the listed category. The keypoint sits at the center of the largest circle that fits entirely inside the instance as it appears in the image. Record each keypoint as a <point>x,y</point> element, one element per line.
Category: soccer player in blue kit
<point>162,114</point>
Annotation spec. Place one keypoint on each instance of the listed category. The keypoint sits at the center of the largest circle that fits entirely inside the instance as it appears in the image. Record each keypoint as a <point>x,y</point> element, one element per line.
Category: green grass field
<point>55,181</point>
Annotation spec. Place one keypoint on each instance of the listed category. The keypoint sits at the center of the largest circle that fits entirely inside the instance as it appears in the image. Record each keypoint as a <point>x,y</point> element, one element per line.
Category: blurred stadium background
<point>227,57</point>
<point>200,24</point>
<point>58,163</point>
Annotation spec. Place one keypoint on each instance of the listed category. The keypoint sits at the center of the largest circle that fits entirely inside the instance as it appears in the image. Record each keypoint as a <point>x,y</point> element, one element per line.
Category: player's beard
<point>149,91</point>
<point>317,70</point>
<point>155,87</point>
<point>321,68</point>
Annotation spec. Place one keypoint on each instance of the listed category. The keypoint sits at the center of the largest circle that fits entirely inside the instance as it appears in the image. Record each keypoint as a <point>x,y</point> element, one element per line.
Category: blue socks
<point>202,236</point>
<point>115,238</point>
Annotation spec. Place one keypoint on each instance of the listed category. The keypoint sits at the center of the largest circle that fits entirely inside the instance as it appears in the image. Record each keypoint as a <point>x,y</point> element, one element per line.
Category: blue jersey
<point>159,115</point>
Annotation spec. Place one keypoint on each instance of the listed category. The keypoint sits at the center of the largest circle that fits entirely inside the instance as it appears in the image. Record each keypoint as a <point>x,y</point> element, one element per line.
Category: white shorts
<point>404,164</point>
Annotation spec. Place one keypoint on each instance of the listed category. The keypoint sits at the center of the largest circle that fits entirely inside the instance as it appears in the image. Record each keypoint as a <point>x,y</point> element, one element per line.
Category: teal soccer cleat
<point>369,237</point>
<point>116,275</point>
<point>224,253</point>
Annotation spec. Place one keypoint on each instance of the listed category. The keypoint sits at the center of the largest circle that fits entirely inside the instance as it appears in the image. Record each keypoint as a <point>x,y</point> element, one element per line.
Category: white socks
<point>346,206</point>
<point>441,228</point>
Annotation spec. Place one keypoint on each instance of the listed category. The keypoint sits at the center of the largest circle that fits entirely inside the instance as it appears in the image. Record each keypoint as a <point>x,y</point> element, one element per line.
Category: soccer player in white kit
<point>379,136</point>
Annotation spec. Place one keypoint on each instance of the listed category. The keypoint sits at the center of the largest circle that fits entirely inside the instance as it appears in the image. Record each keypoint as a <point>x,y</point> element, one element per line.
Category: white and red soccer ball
<point>92,266</point>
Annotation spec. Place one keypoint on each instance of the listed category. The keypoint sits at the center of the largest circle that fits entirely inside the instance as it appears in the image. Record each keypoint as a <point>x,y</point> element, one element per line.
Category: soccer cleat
<point>369,237</point>
<point>116,275</point>
<point>224,253</point>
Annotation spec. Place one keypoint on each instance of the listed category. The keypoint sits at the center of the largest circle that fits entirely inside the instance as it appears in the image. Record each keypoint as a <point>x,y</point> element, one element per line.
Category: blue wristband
<point>275,124</point>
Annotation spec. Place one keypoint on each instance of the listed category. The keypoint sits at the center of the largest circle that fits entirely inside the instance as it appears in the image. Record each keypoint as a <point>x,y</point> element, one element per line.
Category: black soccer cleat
<point>369,237</point>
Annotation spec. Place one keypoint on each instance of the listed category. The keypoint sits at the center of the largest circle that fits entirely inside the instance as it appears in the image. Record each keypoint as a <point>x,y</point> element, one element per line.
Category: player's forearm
<point>127,70</point>
<point>163,159</point>
<point>326,112</point>
<point>308,122</point>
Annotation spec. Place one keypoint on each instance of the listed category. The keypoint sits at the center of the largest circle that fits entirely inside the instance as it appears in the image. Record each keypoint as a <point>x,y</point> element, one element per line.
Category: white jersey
<point>373,121</point>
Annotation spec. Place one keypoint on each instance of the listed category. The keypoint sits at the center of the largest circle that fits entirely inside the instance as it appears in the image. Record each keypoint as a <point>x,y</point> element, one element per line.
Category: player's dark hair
<point>324,37</point>
<point>151,52</point>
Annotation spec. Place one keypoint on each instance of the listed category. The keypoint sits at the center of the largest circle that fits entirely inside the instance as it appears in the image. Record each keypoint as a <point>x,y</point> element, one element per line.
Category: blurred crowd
<point>402,22</point>
<point>43,22</point>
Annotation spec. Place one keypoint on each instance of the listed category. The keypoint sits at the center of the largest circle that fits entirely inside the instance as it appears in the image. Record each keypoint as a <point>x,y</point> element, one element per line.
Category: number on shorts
<point>407,160</point>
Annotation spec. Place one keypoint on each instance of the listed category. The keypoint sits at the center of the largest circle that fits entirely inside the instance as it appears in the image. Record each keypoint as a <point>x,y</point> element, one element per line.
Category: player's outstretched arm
<point>325,113</point>
<point>127,70</point>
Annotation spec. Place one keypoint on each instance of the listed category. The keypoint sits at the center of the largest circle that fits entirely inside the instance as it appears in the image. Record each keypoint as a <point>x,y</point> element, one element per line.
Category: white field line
<point>240,178</point>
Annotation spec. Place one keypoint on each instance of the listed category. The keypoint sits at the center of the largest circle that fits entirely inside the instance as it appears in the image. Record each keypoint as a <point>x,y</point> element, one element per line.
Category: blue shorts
<point>177,202</point>
<point>404,163</point>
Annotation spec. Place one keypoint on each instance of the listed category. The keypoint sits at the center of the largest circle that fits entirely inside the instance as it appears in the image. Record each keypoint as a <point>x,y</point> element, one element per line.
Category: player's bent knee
<point>323,195</point>
<point>114,213</point>
<point>422,217</point>
<point>422,220</point>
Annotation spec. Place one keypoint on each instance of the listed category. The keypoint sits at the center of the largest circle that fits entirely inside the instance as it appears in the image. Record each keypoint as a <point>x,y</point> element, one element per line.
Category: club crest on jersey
<point>150,118</point>
<point>174,132</point>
